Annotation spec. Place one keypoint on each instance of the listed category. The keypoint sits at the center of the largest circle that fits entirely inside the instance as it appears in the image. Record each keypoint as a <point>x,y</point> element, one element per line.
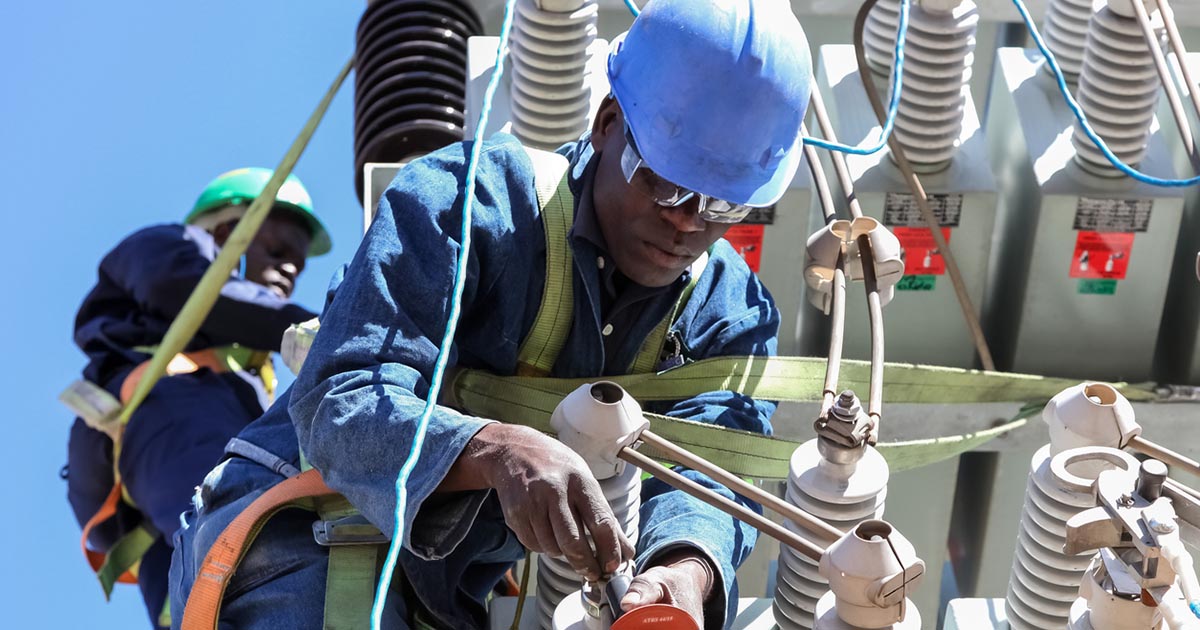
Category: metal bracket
<point>349,530</point>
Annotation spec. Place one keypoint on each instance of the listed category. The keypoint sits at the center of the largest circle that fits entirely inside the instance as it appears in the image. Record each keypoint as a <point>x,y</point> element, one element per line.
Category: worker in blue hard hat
<point>703,125</point>
<point>222,382</point>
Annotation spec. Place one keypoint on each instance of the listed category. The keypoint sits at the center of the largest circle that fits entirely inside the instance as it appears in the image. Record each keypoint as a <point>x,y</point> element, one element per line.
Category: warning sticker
<point>921,256</point>
<point>901,209</point>
<point>748,241</point>
<point>1101,255</point>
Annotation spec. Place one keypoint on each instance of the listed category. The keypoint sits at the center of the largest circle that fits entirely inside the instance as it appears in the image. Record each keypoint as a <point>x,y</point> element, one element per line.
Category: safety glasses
<point>668,195</point>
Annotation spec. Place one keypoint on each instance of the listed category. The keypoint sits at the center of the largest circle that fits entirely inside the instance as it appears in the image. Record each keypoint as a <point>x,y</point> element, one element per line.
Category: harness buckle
<point>354,529</point>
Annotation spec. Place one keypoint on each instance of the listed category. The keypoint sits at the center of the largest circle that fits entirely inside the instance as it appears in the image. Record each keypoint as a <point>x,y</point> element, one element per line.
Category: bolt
<point>1162,527</point>
<point>1125,500</point>
<point>847,406</point>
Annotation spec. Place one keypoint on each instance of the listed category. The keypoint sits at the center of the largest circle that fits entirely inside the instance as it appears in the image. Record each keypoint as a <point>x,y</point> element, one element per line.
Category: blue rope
<point>632,8</point>
<point>893,102</point>
<point>439,370</point>
<point>1195,606</point>
<point>1082,118</point>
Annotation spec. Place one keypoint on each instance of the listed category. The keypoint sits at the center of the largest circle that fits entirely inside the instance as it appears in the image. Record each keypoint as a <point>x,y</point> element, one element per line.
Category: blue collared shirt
<point>356,403</point>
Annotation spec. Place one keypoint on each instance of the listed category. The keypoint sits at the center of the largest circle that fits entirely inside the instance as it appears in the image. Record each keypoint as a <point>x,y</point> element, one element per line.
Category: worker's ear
<point>221,232</point>
<point>607,122</point>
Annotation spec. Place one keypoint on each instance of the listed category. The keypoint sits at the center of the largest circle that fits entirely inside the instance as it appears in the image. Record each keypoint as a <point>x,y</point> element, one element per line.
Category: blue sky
<point>113,116</point>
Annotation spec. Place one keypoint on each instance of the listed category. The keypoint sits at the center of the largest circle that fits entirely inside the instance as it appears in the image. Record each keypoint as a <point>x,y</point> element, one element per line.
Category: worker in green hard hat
<point>221,382</point>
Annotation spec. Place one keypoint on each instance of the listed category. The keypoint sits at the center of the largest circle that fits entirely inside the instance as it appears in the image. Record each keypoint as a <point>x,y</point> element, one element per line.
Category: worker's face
<point>651,244</point>
<point>276,256</point>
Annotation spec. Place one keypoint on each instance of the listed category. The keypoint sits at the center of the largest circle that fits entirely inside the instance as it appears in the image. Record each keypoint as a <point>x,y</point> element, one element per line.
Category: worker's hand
<point>682,578</point>
<point>550,498</point>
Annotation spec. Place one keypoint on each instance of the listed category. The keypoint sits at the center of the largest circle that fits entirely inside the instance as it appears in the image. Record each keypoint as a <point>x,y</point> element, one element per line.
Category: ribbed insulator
<point>827,618</point>
<point>1118,90</point>
<point>1045,581</point>
<point>879,35</point>
<point>550,93</point>
<point>844,495</point>
<point>1065,31</point>
<point>556,578</point>
<point>939,51</point>
<point>410,63</point>
<point>1099,609</point>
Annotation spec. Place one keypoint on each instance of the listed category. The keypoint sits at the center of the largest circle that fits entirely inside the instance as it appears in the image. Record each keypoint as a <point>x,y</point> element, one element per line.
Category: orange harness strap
<point>204,604</point>
<point>182,363</point>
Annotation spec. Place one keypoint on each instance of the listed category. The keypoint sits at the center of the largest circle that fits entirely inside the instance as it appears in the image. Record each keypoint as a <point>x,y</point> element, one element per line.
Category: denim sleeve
<point>358,400</point>
<point>730,314</point>
<point>160,266</point>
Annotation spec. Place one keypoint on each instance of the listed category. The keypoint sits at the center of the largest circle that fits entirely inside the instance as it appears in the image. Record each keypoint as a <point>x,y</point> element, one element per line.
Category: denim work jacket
<point>357,401</point>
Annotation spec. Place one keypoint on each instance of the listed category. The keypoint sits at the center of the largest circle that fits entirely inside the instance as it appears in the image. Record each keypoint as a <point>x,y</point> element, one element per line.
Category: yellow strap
<point>539,350</point>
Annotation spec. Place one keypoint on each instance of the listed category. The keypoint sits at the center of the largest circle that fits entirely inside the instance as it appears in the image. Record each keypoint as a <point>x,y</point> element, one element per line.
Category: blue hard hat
<point>714,94</point>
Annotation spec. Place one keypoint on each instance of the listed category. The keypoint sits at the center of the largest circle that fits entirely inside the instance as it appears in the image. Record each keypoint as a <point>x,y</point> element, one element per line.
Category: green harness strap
<point>530,401</point>
<point>545,340</point>
<point>648,356</point>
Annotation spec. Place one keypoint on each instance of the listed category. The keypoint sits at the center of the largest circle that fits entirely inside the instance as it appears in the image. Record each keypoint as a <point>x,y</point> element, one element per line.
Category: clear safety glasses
<point>666,194</point>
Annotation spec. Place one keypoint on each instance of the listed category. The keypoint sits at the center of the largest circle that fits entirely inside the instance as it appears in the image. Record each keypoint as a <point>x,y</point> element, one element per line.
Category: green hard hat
<point>241,186</point>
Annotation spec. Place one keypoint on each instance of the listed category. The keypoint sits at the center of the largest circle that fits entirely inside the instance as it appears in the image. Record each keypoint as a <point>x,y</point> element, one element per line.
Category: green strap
<point>541,346</point>
<point>531,401</point>
<point>350,586</point>
<point>124,556</point>
<point>648,356</point>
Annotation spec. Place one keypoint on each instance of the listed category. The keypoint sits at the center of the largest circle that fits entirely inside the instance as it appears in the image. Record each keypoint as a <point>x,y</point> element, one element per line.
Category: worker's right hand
<point>549,498</point>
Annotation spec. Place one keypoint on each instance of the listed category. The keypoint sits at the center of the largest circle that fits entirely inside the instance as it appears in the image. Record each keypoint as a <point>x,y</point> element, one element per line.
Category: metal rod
<point>740,512</point>
<point>1171,458</point>
<point>801,518</point>
<point>922,199</point>
<point>1168,14</point>
<point>837,334</point>
<point>874,306</point>
<point>1168,81</point>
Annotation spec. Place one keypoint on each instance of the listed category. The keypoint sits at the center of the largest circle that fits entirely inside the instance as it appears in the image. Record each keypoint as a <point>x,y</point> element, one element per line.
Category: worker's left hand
<point>682,578</point>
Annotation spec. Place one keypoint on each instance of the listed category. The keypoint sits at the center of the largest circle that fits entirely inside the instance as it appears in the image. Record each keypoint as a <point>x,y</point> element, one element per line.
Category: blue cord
<point>1195,606</point>
<point>439,370</point>
<point>632,8</point>
<point>893,102</point>
<point>1082,118</point>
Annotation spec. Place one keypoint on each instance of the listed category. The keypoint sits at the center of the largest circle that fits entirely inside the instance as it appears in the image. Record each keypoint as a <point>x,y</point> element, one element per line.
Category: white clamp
<point>1089,414</point>
<point>297,340</point>
<point>841,237</point>
<point>597,421</point>
<point>870,570</point>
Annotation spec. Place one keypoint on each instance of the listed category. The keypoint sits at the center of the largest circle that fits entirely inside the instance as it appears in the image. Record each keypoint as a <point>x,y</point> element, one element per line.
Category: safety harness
<point>100,411</point>
<point>530,397</point>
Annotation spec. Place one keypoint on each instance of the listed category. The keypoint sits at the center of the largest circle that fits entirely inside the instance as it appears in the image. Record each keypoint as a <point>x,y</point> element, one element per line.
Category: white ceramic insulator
<point>939,51</point>
<point>1118,90</point>
<point>556,578</point>
<point>1065,31</point>
<point>827,618</point>
<point>550,95</point>
<point>1045,581</point>
<point>879,35</point>
<point>844,495</point>
<point>1099,609</point>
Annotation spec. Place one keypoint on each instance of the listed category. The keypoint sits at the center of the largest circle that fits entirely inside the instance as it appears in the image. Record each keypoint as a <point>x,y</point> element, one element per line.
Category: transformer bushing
<point>551,98</point>
<point>870,570</point>
<point>844,486</point>
<point>1044,581</point>
<point>940,48</point>
<point>1065,30</point>
<point>409,78</point>
<point>1118,88</point>
<point>596,421</point>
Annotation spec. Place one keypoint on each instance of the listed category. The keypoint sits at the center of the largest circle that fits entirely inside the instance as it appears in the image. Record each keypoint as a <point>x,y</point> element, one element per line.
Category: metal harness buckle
<point>354,529</point>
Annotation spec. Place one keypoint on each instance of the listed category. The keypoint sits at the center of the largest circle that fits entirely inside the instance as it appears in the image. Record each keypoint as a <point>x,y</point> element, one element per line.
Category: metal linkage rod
<point>1148,448</point>
<point>1168,81</point>
<point>1172,28</point>
<point>914,184</point>
<point>735,510</point>
<point>837,312</point>
<point>865,253</point>
<point>823,530</point>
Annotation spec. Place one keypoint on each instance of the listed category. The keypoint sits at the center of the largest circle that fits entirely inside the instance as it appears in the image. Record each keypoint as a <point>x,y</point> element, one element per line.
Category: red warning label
<point>921,255</point>
<point>1101,255</point>
<point>748,241</point>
